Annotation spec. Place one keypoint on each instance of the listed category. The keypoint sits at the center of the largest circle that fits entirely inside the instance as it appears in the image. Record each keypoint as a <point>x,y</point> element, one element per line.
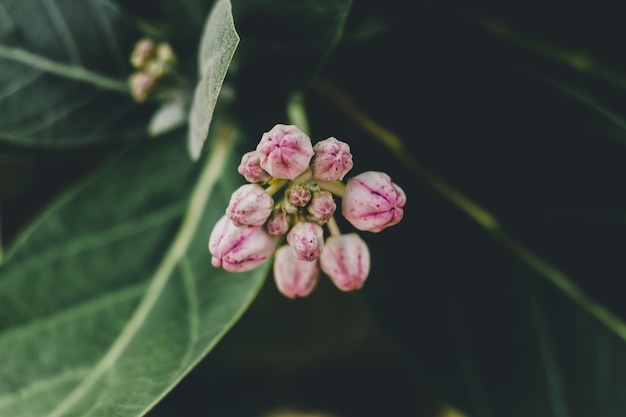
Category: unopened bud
<point>143,53</point>
<point>372,202</point>
<point>346,260</point>
<point>322,206</point>
<point>289,207</point>
<point>278,223</point>
<point>249,205</point>
<point>307,240</point>
<point>165,54</point>
<point>294,277</point>
<point>285,151</point>
<point>299,195</point>
<point>141,85</point>
<point>332,160</point>
<point>250,168</point>
<point>239,249</point>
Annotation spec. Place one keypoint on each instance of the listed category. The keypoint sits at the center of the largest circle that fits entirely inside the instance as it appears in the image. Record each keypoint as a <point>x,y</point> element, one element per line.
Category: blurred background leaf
<point>63,72</point>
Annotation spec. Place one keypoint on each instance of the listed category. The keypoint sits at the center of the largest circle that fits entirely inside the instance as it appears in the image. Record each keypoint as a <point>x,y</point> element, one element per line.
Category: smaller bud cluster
<point>154,64</point>
<point>310,177</point>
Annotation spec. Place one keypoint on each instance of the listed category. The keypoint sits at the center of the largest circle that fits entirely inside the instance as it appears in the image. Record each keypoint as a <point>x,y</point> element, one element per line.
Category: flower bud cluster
<point>308,179</point>
<point>153,63</point>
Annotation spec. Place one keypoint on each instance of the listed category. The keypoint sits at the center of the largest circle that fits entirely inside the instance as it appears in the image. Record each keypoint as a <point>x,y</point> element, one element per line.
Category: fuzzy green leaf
<point>111,299</point>
<point>217,48</point>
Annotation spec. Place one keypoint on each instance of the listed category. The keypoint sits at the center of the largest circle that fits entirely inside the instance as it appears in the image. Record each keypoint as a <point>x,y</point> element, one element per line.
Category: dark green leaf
<point>111,299</point>
<point>63,72</point>
<point>284,44</point>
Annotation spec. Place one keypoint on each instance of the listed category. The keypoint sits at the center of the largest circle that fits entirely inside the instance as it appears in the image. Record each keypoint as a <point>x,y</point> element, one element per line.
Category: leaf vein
<point>96,240</point>
<point>60,25</point>
<point>204,188</point>
<point>63,70</point>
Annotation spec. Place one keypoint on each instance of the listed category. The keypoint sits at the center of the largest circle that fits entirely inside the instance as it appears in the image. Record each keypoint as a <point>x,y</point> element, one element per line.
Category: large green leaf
<point>217,47</point>
<point>63,72</point>
<point>111,298</point>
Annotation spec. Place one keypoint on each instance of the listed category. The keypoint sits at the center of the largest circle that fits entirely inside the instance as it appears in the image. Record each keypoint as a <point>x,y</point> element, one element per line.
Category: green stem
<point>336,187</point>
<point>175,255</point>
<point>476,212</point>
<point>275,185</point>
<point>296,112</point>
<point>333,227</point>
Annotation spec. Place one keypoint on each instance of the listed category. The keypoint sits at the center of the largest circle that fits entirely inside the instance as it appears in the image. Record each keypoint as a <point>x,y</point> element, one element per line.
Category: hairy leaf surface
<point>217,47</point>
<point>111,299</point>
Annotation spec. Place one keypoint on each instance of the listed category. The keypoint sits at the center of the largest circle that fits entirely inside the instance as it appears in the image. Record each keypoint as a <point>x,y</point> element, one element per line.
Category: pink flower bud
<point>278,223</point>
<point>289,207</point>
<point>285,151</point>
<point>307,240</point>
<point>322,206</point>
<point>346,260</point>
<point>332,160</point>
<point>299,195</point>
<point>373,202</point>
<point>250,168</point>
<point>239,249</point>
<point>294,277</point>
<point>143,52</point>
<point>249,205</point>
<point>142,85</point>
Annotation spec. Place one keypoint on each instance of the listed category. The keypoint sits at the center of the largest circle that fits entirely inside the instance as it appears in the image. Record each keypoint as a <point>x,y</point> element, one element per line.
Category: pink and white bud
<point>322,206</point>
<point>143,52</point>
<point>307,240</point>
<point>289,208</point>
<point>285,151</point>
<point>278,223</point>
<point>142,85</point>
<point>165,54</point>
<point>239,249</point>
<point>332,160</point>
<point>346,260</point>
<point>294,277</point>
<point>299,195</point>
<point>249,205</point>
<point>372,202</point>
<point>250,168</point>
